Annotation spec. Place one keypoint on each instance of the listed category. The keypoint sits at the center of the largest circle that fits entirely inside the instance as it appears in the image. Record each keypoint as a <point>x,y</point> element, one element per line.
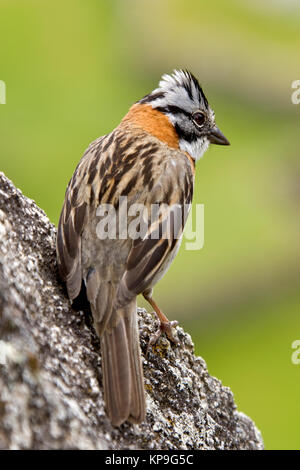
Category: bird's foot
<point>167,327</point>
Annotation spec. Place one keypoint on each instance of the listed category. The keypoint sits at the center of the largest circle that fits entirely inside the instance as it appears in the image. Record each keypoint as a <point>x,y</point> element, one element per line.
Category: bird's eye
<point>198,118</point>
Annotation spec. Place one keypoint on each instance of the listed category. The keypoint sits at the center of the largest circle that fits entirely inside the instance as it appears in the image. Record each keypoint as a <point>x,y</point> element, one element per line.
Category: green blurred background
<point>73,68</point>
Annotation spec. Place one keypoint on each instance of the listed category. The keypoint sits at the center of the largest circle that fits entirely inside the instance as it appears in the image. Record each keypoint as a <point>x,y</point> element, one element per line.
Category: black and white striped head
<point>180,97</point>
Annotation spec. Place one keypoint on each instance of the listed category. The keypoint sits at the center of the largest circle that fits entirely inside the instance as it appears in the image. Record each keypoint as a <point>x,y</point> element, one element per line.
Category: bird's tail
<point>122,371</point>
<point>121,367</point>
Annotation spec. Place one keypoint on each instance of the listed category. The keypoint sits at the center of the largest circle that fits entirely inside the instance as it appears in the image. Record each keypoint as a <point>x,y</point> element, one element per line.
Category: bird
<point>148,159</point>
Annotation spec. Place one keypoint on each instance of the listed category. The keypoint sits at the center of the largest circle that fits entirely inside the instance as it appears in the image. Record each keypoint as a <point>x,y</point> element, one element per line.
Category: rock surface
<point>50,365</point>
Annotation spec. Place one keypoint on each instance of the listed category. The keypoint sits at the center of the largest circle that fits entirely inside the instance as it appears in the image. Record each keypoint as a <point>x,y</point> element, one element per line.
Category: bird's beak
<point>217,137</point>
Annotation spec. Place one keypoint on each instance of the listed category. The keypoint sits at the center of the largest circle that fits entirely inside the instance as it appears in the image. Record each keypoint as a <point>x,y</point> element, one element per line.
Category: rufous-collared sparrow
<point>149,159</point>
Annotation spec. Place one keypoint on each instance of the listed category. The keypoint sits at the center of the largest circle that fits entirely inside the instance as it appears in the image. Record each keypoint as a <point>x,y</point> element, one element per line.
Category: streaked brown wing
<point>73,216</point>
<point>151,255</point>
<point>68,245</point>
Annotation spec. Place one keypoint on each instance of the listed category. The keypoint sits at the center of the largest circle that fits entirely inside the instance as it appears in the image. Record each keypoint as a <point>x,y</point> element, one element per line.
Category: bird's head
<point>180,98</point>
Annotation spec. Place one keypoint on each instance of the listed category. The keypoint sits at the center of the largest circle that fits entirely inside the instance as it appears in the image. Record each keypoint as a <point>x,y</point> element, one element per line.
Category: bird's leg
<point>165,326</point>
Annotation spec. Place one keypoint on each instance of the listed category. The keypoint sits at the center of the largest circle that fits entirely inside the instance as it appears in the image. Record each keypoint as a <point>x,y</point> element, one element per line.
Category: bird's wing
<point>151,255</point>
<point>109,168</point>
<point>72,219</point>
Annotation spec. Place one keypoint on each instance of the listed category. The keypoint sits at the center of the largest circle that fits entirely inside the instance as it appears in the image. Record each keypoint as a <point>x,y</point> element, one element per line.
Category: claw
<point>168,328</point>
<point>165,326</point>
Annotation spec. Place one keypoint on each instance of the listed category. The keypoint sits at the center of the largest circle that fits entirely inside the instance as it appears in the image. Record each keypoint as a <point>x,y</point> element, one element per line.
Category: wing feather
<point>151,255</point>
<point>68,246</point>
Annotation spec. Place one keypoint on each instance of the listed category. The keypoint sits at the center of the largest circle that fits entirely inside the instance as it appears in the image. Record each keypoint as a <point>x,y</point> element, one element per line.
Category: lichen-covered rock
<point>50,365</point>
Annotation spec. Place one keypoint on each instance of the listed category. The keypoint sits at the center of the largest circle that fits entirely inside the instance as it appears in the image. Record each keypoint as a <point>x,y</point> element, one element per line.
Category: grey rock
<point>50,364</point>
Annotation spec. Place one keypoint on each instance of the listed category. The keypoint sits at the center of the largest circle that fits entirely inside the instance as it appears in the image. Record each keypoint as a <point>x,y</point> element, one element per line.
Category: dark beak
<point>216,137</point>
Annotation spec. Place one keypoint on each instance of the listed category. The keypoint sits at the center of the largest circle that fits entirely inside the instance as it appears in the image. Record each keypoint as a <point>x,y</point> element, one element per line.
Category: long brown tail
<point>121,367</point>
